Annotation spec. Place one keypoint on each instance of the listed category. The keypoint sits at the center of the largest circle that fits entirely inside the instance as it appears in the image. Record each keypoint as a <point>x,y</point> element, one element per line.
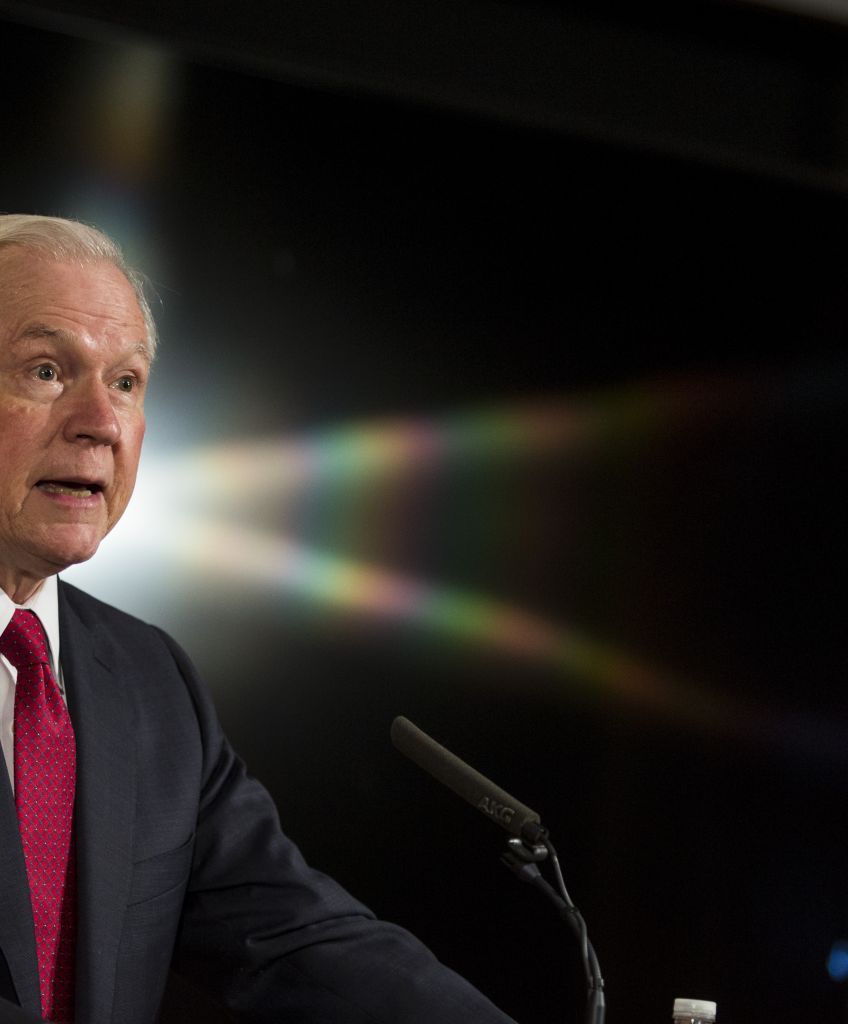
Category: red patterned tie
<point>45,775</point>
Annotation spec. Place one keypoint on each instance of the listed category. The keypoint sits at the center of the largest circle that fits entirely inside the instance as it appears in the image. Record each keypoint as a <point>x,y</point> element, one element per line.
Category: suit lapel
<point>17,938</point>
<point>105,803</point>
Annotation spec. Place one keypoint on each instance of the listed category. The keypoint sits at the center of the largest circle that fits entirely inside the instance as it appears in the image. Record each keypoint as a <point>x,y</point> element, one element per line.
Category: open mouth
<point>69,487</point>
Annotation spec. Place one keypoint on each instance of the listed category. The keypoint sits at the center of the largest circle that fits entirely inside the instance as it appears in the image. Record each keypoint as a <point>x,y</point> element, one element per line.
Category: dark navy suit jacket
<point>182,866</point>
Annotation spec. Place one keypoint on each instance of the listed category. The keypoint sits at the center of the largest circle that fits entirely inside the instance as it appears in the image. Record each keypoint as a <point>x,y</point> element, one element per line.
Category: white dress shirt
<point>45,604</point>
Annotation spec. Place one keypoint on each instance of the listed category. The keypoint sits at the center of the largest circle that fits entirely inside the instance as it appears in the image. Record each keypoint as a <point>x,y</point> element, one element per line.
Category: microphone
<point>529,846</point>
<point>492,801</point>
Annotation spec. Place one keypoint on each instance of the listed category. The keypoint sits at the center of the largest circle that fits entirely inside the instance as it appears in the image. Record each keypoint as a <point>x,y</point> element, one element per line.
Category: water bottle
<point>694,1011</point>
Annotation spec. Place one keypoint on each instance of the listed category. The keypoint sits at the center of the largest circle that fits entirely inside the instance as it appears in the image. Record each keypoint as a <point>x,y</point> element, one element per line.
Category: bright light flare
<point>181,519</point>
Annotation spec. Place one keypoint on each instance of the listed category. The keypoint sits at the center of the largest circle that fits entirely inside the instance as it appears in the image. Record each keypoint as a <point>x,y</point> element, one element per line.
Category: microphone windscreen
<point>464,780</point>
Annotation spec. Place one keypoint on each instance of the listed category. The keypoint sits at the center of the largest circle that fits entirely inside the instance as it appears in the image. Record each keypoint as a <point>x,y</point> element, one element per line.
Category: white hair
<point>71,241</point>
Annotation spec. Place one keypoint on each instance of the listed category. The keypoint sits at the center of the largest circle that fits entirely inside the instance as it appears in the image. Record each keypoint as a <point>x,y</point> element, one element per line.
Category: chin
<point>62,552</point>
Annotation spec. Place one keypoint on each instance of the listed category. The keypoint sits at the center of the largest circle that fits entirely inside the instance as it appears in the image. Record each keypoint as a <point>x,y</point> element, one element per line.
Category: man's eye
<point>125,383</point>
<point>46,372</point>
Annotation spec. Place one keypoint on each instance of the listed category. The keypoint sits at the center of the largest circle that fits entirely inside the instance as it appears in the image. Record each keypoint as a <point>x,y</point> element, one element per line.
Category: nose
<point>90,416</point>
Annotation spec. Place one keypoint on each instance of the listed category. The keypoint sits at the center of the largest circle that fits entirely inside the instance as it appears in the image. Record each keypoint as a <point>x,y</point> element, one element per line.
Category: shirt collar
<point>45,603</point>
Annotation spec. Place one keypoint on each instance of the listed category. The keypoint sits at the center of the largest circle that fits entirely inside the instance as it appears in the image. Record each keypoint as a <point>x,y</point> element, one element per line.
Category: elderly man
<point>132,842</point>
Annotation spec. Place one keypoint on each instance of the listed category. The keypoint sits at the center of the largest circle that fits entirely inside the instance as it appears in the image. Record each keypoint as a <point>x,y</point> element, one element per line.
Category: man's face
<point>73,370</point>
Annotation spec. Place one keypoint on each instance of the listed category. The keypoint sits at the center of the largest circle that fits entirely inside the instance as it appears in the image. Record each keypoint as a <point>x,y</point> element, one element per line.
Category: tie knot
<point>23,641</point>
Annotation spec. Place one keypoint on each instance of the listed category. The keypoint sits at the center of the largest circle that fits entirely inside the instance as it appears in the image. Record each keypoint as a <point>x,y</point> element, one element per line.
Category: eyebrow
<point>37,331</point>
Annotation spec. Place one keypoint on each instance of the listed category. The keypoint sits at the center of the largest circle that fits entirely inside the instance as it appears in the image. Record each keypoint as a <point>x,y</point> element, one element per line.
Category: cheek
<point>126,467</point>
<point>18,431</point>
<point>15,466</point>
<point>129,451</point>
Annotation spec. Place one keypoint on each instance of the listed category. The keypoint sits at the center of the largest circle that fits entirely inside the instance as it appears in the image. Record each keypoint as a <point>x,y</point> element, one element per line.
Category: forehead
<point>90,298</point>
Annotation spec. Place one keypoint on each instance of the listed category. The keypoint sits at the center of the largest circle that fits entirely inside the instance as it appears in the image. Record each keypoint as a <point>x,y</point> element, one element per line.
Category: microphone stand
<point>522,857</point>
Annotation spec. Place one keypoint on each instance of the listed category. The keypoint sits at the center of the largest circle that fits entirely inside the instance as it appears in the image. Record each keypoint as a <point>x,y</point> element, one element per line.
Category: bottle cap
<point>694,1008</point>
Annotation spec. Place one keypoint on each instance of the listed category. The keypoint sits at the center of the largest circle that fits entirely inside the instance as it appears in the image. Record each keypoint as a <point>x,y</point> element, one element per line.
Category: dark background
<point>539,312</point>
